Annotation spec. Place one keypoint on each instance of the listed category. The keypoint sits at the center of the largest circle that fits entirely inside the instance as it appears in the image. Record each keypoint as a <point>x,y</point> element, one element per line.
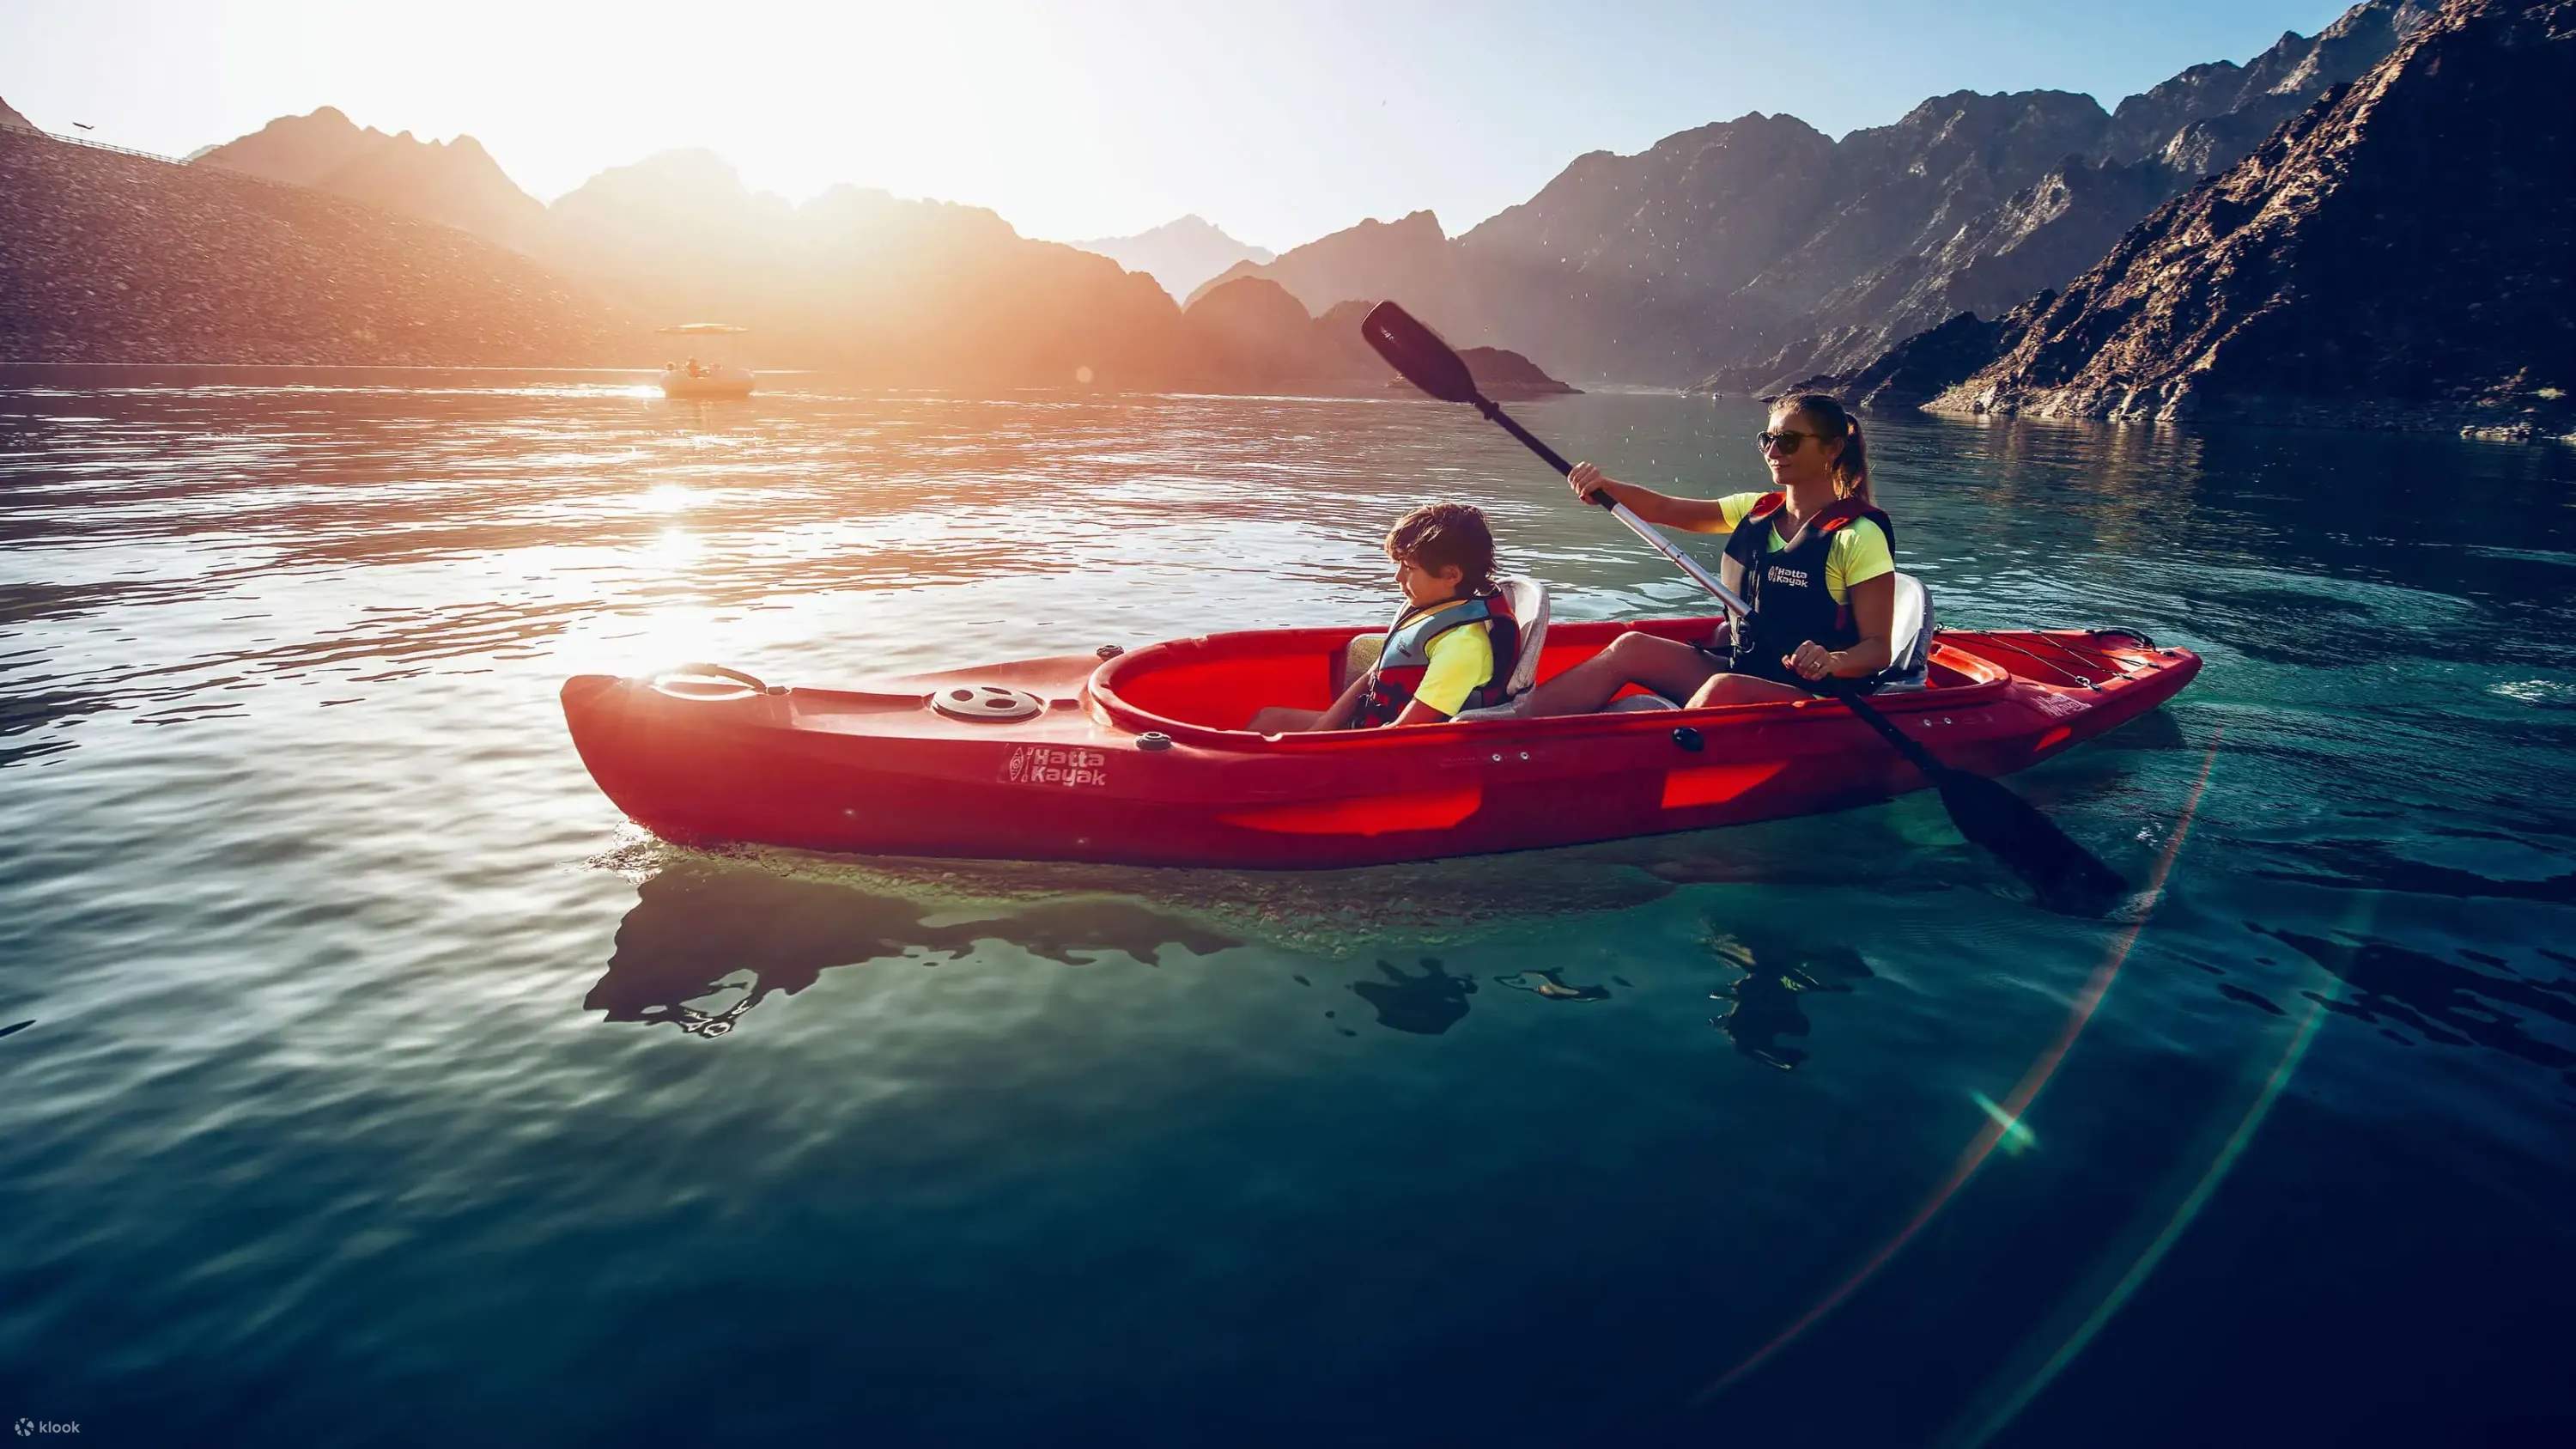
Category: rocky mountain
<point>1249,332</point>
<point>456,183</point>
<point>1753,250</point>
<point>1925,365</point>
<point>9,117</point>
<point>1180,254</point>
<point>1638,268</point>
<point>918,292</point>
<point>2398,253</point>
<point>113,258</point>
<point>1502,375</point>
<point>316,241</point>
<point>1409,258</point>
<point>2155,146</point>
<point>1252,329</point>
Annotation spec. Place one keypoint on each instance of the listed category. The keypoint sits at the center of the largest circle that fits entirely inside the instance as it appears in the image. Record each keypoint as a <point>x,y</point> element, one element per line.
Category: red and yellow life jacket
<point>1785,584</point>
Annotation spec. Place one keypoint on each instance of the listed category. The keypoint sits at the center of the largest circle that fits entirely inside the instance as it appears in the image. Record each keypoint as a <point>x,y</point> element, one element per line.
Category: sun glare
<point>674,549</point>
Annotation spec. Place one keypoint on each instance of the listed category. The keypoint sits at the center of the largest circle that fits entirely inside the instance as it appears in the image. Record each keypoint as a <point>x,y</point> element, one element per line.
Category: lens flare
<point>2001,1117</point>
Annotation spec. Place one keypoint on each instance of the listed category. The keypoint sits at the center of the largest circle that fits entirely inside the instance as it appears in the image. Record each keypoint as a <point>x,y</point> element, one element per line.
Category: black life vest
<point>1406,656</point>
<point>1785,583</point>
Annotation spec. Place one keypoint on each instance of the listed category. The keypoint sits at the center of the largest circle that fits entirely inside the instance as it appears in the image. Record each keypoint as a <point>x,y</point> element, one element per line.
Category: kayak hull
<point>1140,759</point>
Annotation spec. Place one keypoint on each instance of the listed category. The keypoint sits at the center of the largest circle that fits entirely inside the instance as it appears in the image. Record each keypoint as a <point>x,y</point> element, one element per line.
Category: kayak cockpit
<point>1213,684</point>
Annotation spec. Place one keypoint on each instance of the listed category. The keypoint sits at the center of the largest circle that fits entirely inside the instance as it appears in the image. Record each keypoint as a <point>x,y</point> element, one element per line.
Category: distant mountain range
<point>2231,238</point>
<point>1748,252</point>
<point>1179,254</point>
<point>1250,330</point>
<point>2400,251</point>
<point>106,257</point>
<point>457,183</point>
<point>110,257</point>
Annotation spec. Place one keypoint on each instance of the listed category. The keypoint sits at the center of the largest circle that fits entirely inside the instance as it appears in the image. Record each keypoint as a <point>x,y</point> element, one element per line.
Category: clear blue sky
<point>1093,119</point>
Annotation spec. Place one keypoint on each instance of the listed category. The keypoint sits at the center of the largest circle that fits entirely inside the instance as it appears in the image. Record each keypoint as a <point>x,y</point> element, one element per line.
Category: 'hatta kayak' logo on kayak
<point>1053,765</point>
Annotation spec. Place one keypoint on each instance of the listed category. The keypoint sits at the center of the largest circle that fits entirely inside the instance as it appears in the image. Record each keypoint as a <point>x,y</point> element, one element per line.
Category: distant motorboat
<point>711,379</point>
<point>696,379</point>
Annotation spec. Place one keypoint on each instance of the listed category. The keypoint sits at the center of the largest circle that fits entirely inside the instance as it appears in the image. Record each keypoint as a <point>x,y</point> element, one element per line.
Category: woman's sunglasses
<point>1787,442</point>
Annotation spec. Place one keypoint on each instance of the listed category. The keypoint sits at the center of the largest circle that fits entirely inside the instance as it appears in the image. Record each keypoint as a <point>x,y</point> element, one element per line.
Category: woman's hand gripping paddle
<point>2064,874</point>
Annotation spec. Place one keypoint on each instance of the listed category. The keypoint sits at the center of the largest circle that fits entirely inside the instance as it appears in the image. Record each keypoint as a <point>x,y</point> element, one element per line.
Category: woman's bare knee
<point>1740,689</point>
<point>1667,666</point>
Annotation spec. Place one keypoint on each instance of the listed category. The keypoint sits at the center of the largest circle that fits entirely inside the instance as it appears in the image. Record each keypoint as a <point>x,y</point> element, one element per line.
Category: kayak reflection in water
<point>1452,646</point>
<point>1821,579</point>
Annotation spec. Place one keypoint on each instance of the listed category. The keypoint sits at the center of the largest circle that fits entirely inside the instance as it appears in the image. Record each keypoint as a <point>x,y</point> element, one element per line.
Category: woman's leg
<point>1666,666</point>
<point>1744,689</point>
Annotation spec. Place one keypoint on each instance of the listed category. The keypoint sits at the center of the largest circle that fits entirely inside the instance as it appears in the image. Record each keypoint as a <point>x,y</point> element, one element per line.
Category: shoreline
<point>644,375</point>
<point>2550,420</point>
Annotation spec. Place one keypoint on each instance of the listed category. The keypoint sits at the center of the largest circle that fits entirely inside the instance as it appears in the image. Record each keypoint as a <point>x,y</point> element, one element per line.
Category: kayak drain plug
<point>1689,739</point>
<point>1153,740</point>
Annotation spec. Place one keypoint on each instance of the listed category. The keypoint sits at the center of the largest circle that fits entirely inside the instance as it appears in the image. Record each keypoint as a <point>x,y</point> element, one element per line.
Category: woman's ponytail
<point>1851,465</point>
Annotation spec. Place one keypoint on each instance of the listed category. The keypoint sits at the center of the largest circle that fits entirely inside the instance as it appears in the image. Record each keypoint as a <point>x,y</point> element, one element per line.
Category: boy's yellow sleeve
<point>1462,660</point>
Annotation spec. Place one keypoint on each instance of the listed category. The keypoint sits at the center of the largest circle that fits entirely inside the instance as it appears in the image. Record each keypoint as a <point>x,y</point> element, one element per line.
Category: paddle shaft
<point>1905,744</point>
<point>1733,601</point>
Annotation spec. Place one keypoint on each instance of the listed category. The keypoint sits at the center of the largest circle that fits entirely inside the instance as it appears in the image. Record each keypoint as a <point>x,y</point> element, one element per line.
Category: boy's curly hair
<point>1446,535</point>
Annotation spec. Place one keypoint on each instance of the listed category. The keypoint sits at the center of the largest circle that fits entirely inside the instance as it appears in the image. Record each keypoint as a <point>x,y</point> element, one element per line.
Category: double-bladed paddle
<point>1984,811</point>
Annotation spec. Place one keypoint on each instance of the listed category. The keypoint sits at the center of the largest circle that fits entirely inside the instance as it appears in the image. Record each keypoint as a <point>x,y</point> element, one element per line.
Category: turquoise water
<point>367,1080</point>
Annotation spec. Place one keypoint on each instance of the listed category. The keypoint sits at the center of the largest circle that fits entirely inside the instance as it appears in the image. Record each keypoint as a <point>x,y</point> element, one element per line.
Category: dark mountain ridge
<point>1750,251</point>
<point>456,183</point>
<point>2390,257</point>
<point>107,257</point>
<point>115,258</point>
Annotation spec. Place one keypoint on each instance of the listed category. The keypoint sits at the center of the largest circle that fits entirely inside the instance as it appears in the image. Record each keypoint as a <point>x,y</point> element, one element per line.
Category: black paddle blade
<point>1416,351</point>
<point>2066,876</point>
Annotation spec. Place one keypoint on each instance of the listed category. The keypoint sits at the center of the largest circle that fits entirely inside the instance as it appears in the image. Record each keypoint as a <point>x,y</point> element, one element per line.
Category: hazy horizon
<point>1275,128</point>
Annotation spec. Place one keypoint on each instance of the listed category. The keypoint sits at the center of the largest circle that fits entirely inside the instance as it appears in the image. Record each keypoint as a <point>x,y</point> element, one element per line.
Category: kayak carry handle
<point>664,678</point>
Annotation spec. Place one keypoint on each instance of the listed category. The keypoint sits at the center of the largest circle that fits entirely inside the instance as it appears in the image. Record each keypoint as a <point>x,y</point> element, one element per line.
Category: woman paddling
<point>1821,579</point>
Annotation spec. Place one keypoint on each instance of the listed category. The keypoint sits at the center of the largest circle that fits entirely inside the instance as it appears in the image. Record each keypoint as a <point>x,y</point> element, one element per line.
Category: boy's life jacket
<point>1406,656</point>
<point>1784,585</point>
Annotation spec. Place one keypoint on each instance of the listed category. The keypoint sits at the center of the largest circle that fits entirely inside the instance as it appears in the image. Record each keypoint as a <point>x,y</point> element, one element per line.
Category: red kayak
<point>1140,757</point>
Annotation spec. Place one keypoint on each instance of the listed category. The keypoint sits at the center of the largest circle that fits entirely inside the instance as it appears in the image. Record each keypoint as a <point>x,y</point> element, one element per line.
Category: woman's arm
<point>1873,606</point>
<point>1693,515</point>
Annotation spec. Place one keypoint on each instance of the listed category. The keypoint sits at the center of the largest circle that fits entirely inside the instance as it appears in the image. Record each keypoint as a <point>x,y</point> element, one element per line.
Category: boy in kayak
<point>1451,646</point>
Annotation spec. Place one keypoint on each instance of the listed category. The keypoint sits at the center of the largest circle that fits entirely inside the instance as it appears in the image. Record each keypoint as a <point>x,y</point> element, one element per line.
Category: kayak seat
<point>1911,633</point>
<point>1527,598</point>
<point>1911,629</point>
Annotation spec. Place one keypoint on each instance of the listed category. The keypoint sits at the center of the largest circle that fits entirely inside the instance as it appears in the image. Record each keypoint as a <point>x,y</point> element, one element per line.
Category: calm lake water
<point>366,1080</point>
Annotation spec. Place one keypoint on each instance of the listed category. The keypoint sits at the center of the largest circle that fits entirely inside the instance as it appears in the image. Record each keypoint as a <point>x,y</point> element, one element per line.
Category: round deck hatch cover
<point>986,703</point>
